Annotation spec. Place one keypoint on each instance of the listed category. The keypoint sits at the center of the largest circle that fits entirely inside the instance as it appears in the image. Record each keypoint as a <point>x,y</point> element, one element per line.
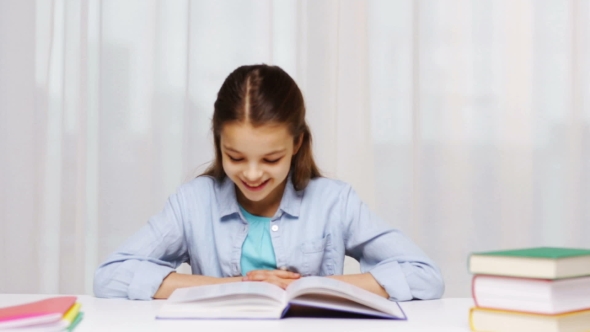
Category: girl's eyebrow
<point>275,152</point>
<point>268,154</point>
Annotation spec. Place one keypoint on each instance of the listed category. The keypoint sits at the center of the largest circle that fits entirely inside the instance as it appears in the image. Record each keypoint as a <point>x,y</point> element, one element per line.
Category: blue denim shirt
<point>312,231</point>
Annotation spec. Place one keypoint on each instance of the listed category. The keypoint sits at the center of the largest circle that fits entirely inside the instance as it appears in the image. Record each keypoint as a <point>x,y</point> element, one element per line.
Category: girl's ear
<point>297,144</point>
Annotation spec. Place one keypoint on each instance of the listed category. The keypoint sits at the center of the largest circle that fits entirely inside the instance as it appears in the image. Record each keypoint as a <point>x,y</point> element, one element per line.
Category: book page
<point>224,292</point>
<point>322,287</point>
<point>335,303</point>
<point>229,306</point>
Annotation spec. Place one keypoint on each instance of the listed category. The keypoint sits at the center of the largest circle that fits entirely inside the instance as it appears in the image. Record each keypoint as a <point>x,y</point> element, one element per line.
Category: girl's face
<point>257,160</point>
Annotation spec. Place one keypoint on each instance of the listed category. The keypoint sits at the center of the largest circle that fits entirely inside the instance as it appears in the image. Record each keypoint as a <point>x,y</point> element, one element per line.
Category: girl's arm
<point>365,281</point>
<point>175,280</point>
<point>138,267</point>
<point>393,261</point>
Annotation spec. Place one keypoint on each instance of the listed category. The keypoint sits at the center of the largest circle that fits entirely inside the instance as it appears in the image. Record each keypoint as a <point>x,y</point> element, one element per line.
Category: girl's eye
<point>235,159</point>
<point>272,161</point>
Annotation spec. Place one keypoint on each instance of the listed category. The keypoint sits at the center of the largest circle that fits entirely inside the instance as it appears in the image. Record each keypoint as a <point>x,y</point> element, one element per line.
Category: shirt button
<point>275,228</point>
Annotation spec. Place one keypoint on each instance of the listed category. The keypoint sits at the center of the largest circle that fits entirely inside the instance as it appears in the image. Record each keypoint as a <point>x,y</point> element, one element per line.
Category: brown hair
<point>259,95</point>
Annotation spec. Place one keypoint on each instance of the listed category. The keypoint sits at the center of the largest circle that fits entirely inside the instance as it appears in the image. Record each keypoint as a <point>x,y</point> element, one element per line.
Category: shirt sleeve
<point>136,269</point>
<point>398,265</point>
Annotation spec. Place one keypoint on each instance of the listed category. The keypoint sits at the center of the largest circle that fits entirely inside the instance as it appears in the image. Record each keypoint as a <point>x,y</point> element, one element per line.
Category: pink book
<point>39,312</point>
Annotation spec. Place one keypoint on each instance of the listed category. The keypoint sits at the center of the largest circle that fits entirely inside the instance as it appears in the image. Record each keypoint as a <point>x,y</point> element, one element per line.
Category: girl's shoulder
<point>200,182</point>
<point>326,187</point>
<point>202,186</point>
<point>323,181</point>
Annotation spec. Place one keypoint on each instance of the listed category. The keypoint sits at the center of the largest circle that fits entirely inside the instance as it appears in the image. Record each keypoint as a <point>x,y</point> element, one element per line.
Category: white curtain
<point>464,123</point>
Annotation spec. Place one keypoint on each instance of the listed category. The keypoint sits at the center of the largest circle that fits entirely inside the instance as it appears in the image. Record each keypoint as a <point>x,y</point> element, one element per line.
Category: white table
<point>122,315</point>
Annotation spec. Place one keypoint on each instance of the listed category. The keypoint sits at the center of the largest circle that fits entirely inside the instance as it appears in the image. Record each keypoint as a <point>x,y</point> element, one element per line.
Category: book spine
<point>285,310</point>
<point>473,293</point>
<point>471,326</point>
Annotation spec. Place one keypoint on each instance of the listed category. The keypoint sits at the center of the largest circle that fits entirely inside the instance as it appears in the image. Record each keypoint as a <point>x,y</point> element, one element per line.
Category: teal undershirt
<point>257,250</point>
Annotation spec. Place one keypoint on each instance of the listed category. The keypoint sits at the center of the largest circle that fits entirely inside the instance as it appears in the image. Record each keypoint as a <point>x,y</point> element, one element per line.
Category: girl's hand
<point>280,278</point>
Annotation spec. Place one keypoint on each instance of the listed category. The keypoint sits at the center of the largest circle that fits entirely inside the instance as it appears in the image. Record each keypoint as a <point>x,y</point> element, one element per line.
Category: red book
<point>33,313</point>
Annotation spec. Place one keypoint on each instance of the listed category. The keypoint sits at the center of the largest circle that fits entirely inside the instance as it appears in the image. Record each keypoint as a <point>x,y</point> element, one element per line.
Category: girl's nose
<point>253,173</point>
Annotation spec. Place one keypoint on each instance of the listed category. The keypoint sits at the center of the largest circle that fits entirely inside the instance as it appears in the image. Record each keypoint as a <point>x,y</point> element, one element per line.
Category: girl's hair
<point>261,95</point>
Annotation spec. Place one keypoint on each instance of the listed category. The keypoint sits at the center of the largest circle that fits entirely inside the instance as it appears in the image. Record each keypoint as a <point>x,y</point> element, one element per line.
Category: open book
<point>261,300</point>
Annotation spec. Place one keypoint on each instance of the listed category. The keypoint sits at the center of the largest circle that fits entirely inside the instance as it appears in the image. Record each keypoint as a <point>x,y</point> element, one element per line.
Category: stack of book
<point>534,289</point>
<point>52,314</point>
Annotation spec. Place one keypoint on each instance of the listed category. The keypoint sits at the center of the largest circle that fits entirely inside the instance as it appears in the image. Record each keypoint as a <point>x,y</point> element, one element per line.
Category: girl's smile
<point>255,187</point>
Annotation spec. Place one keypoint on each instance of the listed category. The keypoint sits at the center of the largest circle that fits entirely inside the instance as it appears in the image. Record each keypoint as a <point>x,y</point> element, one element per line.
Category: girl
<point>262,212</point>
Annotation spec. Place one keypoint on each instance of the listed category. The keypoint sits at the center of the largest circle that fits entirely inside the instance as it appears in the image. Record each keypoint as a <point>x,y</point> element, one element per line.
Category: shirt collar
<point>290,203</point>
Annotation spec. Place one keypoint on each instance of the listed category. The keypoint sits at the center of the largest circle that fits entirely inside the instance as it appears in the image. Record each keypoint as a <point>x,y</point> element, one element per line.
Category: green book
<point>538,263</point>
<point>75,322</point>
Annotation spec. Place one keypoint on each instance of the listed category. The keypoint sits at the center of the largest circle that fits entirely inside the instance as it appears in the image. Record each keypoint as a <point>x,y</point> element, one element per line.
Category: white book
<point>538,296</point>
<point>261,300</point>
